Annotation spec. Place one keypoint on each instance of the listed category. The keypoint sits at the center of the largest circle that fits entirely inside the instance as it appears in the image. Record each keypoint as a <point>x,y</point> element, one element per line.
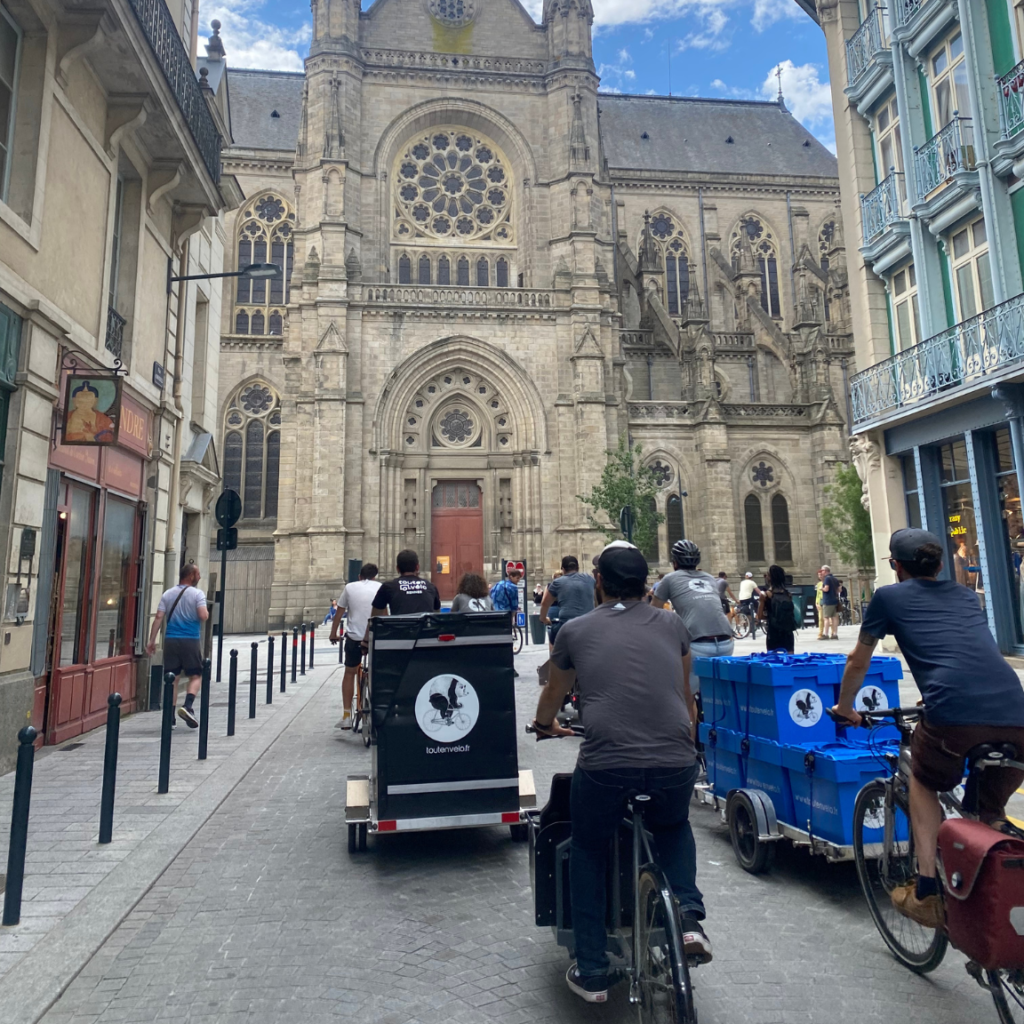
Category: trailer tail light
<point>387,826</point>
<point>510,818</point>
<point>445,637</point>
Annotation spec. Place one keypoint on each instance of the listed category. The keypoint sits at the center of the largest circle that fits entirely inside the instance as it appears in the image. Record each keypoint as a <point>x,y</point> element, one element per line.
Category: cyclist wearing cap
<point>971,696</point>
<point>694,596</point>
<point>748,591</point>
<point>632,663</point>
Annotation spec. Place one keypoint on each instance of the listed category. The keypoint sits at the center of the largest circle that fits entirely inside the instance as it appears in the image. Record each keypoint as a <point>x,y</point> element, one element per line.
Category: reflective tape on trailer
<point>453,821</point>
<point>452,787</point>
<point>446,640</point>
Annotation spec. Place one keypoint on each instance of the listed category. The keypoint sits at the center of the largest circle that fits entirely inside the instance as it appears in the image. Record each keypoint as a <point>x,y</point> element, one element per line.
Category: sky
<point>726,48</point>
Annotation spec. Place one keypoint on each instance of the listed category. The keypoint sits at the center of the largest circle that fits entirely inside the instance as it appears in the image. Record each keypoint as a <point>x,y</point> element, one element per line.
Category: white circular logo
<point>447,708</point>
<point>701,585</point>
<point>805,708</point>
<point>871,698</point>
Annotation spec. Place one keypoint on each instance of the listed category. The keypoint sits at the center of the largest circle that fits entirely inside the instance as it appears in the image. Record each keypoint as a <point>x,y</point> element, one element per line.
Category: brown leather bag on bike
<point>983,877</point>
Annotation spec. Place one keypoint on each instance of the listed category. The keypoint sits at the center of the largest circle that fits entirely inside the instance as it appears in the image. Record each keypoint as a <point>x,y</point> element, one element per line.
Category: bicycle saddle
<point>998,751</point>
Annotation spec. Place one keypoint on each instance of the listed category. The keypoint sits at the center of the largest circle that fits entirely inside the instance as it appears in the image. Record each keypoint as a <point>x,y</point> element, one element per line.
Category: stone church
<point>492,271</point>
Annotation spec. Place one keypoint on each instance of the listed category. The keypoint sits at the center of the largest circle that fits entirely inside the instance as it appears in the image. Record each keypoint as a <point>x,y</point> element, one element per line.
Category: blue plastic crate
<point>718,696</point>
<point>723,758</point>
<point>823,799</point>
<point>787,702</point>
<point>763,769</point>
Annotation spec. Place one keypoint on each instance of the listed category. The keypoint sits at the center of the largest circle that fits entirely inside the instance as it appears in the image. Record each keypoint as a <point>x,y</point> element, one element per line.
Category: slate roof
<point>687,134</point>
<point>255,95</point>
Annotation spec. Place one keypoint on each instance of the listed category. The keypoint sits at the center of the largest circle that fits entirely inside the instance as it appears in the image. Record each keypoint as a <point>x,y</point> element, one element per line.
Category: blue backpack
<point>505,596</point>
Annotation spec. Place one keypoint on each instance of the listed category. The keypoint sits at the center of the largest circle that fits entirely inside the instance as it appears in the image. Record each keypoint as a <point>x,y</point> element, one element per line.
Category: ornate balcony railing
<point>944,155</point>
<point>966,353</point>
<point>158,25</point>
<point>1011,101</point>
<point>906,9</point>
<point>637,339</point>
<point>115,332</point>
<point>864,45</point>
<point>883,206</point>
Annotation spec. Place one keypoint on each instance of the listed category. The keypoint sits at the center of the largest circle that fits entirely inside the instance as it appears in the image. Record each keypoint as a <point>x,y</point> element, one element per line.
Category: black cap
<point>905,544</point>
<point>621,563</point>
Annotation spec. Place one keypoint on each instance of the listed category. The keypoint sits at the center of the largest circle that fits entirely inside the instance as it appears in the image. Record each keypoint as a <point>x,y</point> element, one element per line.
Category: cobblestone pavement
<point>264,917</point>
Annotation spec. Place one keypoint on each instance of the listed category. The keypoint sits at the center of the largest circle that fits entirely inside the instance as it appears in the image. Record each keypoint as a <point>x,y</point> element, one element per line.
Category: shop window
<point>444,270</point>
<point>959,511</point>
<point>114,598</point>
<point>424,270</point>
<point>755,532</point>
<point>674,519</point>
<point>252,449</point>
<point>972,272</point>
<point>948,72</point>
<point>78,532</point>
<point>780,530</point>
<point>1013,522</point>
<point>651,553</point>
<point>265,235</point>
<point>911,492</point>
<point>905,306</point>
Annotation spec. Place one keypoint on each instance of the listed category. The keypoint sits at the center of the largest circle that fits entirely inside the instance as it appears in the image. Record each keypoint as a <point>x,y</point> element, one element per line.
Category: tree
<point>626,481</point>
<point>847,522</point>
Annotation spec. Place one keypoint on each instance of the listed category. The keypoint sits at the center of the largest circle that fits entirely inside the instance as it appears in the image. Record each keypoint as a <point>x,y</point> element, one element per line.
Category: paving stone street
<point>263,916</point>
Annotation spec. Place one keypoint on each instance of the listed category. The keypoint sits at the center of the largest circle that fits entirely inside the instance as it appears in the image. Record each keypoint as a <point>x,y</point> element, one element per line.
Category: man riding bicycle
<point>633,666</point>
<point>749,590</point>
<point>971,696</point>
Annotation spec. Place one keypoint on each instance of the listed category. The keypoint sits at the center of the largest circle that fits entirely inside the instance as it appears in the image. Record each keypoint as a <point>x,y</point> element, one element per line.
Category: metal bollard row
<point>110,768</point>
<point>166,722</point>
<point>232,691</point>
<point>19,826</point>
<point>252,680</point>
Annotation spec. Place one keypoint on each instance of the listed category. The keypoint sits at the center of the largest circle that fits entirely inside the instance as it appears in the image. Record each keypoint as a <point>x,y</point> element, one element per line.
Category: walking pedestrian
<point>572,591</point>
<point>181,612</point>
<point>829,604</point>
<point>818,613</point>
<point>472,595</point>
<point>354,606</point>
<point>779,612</point>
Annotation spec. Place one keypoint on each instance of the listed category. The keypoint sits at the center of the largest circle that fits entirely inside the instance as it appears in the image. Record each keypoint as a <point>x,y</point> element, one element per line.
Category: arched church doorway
<point>457,534</point>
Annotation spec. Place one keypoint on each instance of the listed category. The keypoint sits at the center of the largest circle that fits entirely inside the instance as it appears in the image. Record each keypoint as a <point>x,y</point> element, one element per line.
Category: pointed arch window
<point>668,235</point>
<point>501,273</point>
<point>463,272</point>
<point>752,232</point>
<point>424,274</point>
<point>265,235</point>
<point>755,531</point>
<point>780,530</point>
<point>674,519</point>
<point>444,270</point>
<point>404,270</point>
<point>252,449</point>
<point>483,273</point>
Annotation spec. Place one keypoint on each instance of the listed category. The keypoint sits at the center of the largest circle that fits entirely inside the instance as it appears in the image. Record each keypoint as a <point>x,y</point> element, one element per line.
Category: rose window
<point>453,185</point>
<point>456,426</point>
<point>452,12</point>
<point>661,226</point>
<point>257,399</point>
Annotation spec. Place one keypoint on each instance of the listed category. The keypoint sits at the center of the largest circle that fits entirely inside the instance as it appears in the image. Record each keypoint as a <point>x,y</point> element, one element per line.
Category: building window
<point>115,243</point>
<point>405,270</point>
<point>755,533</point>
<point>887,140</point>
<point>116,568</point>
<point>674,519</point>
<point>672,243</point>
<point>752,232</point>
<point>265,235</point>
<point>444,270</point>
<point>10,345</point>
<point>482,273</point>
<point>958,508</point>
<point>1013,523</point>
<point>972,272</point>
<point>908,313</point>
<point>912,492</point>
<point>949,80</point>
<point>501,273</point>
<point>780,530</point>
<point>10,58</point>
<point>252,449</point>
<point>424,276</point>
<point>463,272</point>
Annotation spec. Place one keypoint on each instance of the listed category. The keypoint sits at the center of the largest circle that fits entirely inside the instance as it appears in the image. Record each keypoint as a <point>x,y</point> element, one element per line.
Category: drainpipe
<point>179,357</point>
<point>703,246</point>
<point>792,252</point>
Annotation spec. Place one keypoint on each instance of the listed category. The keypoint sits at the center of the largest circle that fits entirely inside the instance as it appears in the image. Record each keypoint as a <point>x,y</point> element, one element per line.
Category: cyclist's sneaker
<point>696,944</point>
<point>346,721</point>
<point>926,912</point>
<point>593,989</point>
<point>188,716</point>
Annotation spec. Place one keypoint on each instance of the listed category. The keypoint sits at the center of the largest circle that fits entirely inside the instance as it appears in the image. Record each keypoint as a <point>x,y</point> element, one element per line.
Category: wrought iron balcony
<point>906,9</point>
<point>1011,101</point>
<point>115,332</point>
<point>864,45</point>
<point>944,155</point>
<point>161,32</point>
<point>883,206</point>
<point>976,349</point>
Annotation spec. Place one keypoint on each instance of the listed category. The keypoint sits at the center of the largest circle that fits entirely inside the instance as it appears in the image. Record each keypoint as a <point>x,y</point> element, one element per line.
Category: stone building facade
<point>492,272</point>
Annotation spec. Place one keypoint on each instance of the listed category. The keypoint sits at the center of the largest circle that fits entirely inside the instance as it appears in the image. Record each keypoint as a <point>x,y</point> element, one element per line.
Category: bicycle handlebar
<point>904,716</point>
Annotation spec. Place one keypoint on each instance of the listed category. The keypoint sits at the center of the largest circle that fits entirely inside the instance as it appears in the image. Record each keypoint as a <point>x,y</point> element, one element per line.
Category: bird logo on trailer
<point>447,708</point>
<point>871,698</point>
<point>805,708</point>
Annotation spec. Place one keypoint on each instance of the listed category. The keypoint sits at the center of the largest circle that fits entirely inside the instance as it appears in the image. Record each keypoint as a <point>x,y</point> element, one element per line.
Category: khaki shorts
<point>830,611</point>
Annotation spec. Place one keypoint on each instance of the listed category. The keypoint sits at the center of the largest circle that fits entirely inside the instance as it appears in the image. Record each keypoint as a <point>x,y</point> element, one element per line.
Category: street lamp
<point>253,272</point>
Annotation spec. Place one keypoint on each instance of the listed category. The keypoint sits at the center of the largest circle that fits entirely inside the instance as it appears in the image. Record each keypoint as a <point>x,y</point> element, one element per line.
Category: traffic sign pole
<point>228,511</point>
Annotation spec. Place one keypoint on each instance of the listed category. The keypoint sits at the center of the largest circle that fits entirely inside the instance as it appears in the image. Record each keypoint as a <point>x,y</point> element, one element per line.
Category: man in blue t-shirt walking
<point>971,696</point>
<point>505,596</point>
<point>184,610</point>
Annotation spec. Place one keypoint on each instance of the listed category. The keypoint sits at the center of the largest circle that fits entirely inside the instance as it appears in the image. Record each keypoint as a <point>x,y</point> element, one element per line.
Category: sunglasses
<point>892,564</point>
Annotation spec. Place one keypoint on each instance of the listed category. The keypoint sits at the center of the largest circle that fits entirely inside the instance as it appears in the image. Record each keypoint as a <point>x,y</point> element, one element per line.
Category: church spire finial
<point>778,75</point>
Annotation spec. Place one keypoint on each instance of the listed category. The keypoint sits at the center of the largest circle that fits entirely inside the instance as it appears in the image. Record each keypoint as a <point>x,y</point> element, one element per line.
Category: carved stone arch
<point>767,228</point>
<point>658,232</point>
<point>666,468</point>
<point>521,398</point>
<point>779,477</point>
<point>235,394</point>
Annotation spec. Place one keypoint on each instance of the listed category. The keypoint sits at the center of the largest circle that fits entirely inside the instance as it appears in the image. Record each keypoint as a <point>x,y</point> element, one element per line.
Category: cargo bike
<point>442,729</point>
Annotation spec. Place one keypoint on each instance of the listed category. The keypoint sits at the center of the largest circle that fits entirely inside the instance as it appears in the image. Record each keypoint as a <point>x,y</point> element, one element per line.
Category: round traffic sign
<point>229,509</point>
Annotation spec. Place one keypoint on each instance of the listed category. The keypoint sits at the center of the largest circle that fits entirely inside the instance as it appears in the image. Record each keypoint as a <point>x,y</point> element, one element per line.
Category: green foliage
<point>626,481</point>
<point>847,523</point>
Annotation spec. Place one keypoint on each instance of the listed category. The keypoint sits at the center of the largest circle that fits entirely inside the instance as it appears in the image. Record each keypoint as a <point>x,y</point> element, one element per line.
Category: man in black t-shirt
<point>407,594</point>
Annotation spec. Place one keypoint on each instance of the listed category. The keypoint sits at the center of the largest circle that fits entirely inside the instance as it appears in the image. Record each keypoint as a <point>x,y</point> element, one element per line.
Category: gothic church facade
<point>492,271</point>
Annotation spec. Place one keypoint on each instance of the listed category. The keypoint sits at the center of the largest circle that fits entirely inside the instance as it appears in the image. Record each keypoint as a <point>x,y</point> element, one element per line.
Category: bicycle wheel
<point>885,864</point>
<point>1007,988</point>
<point>364,707</point>
<point>517,639</point>
<point>741,627</point>
<point>663,975</point>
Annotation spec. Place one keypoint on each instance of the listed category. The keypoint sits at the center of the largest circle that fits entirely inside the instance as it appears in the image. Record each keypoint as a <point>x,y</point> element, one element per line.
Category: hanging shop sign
<point>92,410</point>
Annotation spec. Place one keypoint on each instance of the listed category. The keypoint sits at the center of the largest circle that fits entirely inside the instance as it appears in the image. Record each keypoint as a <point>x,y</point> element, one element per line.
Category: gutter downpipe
<point>175,486</point>
<point>792,251</point>
<point>703,245</point>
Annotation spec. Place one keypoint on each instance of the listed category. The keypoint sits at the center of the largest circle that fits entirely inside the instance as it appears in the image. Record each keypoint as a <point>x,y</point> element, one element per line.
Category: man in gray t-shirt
<point>573,592</point>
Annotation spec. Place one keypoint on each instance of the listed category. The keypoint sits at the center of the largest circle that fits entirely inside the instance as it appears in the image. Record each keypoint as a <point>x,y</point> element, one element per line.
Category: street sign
<point>227,540</point>
<point>229,509</point>
<point>517,564</point>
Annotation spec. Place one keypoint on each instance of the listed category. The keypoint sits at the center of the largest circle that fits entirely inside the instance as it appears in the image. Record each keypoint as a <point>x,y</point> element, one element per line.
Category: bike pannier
<point>983,877</point>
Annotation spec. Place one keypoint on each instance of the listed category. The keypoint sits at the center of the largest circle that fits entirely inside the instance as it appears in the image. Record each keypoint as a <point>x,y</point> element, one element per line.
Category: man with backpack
<point>183,609</point>
<point>778,610</point>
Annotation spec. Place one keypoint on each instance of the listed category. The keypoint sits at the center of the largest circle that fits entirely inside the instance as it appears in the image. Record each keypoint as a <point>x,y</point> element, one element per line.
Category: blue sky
<point>726,48</point>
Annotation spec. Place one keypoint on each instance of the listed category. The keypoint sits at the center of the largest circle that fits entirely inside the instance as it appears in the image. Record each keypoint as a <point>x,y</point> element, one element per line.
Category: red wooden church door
<point>457,534</point>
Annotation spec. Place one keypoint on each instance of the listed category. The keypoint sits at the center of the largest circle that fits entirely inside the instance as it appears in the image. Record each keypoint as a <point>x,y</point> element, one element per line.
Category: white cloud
<point>807,97</point>
<point>768,12</point>
<point>615,76</point>
<point>732,91</point>
<point>713,21</point>
<point>251,42</point>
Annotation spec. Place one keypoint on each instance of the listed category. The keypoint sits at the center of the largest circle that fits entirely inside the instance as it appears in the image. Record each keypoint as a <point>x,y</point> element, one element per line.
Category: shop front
<point>962,481</point>
<point>96,633</point>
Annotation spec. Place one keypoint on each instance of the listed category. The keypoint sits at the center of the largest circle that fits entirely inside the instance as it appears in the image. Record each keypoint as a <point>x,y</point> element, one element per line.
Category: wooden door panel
<point>445,537</point>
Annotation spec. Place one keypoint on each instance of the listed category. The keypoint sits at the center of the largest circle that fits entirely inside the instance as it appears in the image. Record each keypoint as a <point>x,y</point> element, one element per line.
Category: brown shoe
<point>927,912</point>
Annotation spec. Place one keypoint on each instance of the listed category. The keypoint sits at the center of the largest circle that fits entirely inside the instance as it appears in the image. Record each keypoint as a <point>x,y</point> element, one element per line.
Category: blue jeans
<point>714,649</point>
<point>598,805</point>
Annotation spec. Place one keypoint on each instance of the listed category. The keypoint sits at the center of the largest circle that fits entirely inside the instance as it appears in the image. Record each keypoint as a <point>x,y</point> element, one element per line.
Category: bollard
<point>164,783</point>
<point>270,670</point>
<point>303,671</point>
<point>252,680</point>
<point>204,711</point>
<point>232,691</point>
<point>110,768</point>
<point>19,826</point>
<point>295,652</point>
<point>312,640</point>
<point>284,659</point>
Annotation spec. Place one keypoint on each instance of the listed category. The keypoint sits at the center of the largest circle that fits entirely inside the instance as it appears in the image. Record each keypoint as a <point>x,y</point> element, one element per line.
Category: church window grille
<point>444,270</point>
<point>463,272</point>
<point>501,273</point>
<point>405,270</point>
<point>482,273</point>
<point>252,450</point>
<point>424,275</point>
<point>674,519</point>
<point>755,531</point>
<point>266,235</point>
<point>669,238</point>
<point>651,553</point>
<point>753,232</point>
<point>780,530</point>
